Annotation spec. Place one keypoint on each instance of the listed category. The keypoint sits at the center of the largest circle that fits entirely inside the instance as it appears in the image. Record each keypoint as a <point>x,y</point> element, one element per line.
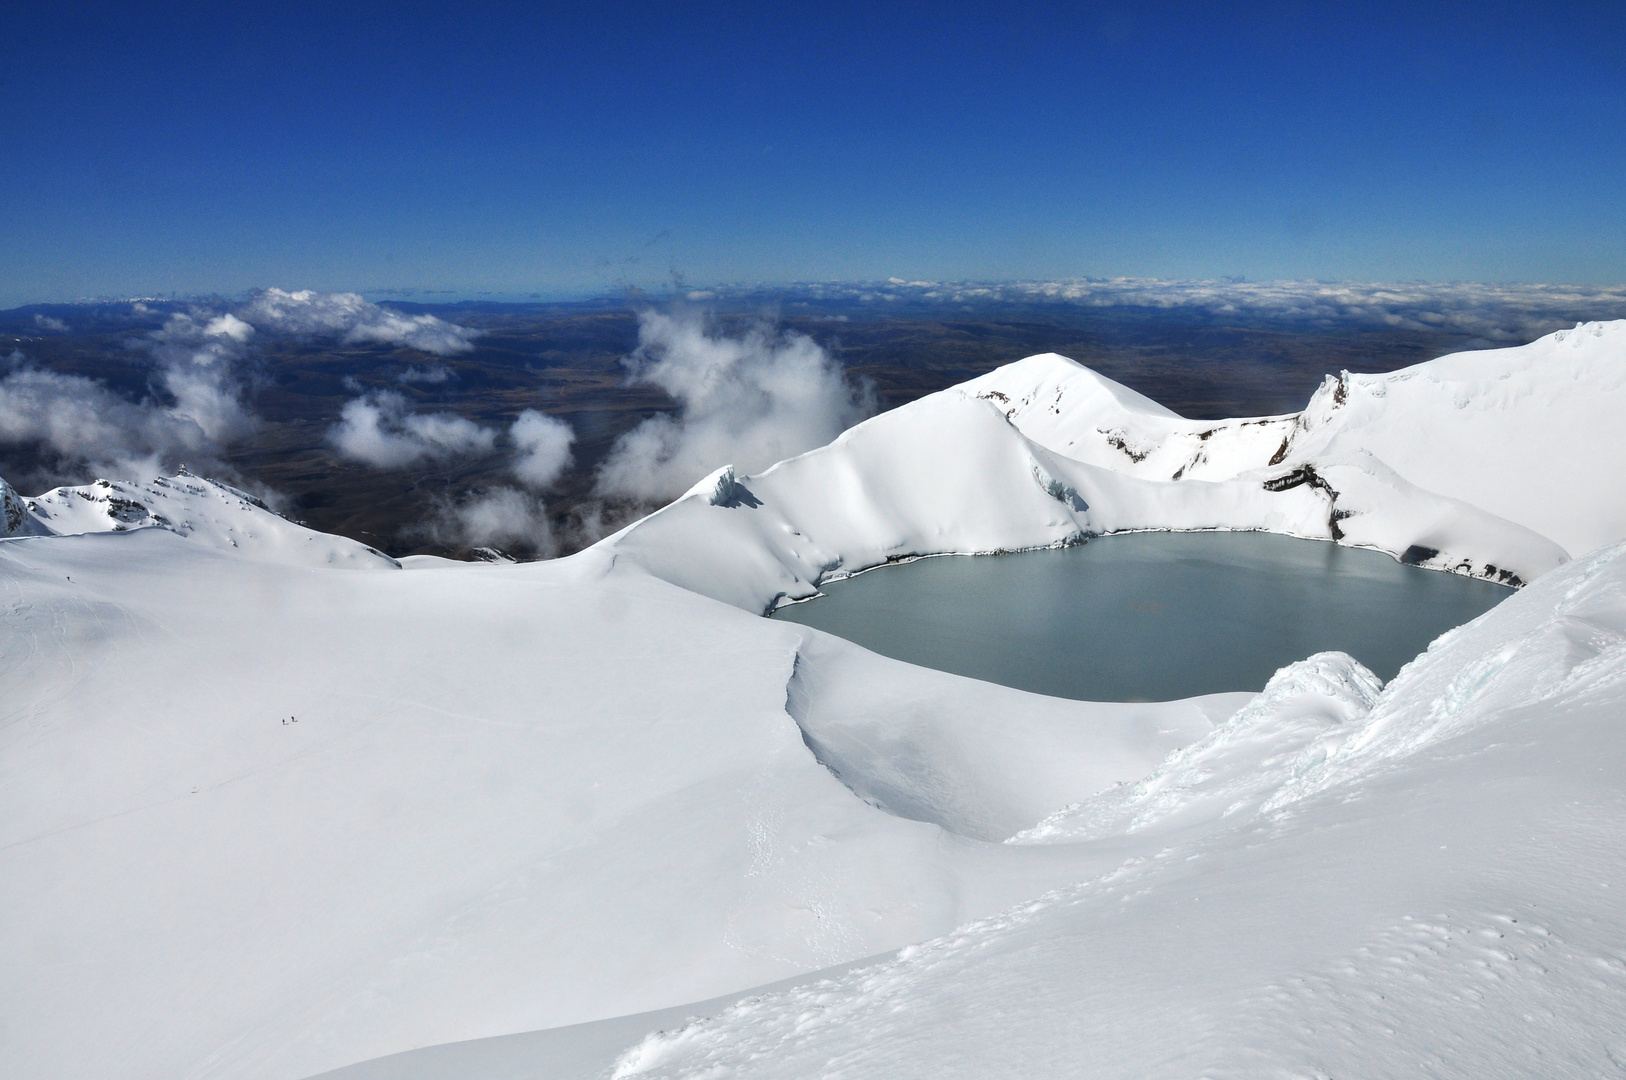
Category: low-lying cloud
<point>201,369</point>
<point>434,375</point>
<point>382,430</point>
<point>1501,314</point>
<point>200,364</point>
<point>746,401</point>
<point>541,449</point>
<point>78,426</point>
<point>354,321</point>
<point>502,517</point>
<point>512,519</point>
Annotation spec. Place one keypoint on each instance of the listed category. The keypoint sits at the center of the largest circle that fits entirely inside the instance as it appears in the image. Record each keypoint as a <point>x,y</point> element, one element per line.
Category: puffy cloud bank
<point>196,406</point>
<point>510,518</point>
<point>1510,314</point>
<point>200,365</point>
<point>78,425</point>
<point>746,401</point>
<point>381,429</point>
<point>353,320</point>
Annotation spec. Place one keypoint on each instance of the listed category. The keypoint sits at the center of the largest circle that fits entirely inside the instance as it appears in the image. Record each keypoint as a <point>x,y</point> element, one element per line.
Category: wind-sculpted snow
<point>965,755</point>
<point>1563,641</point>
<point>1304,714</point>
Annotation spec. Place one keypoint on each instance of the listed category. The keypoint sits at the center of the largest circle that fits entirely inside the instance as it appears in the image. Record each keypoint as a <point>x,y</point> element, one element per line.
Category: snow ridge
<point>1304,714</point>
<point>202,509</point>
<point>1478,463</point>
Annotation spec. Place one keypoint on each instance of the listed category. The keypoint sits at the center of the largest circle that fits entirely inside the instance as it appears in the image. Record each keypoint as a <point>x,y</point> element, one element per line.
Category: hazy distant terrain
<point>566,360</point>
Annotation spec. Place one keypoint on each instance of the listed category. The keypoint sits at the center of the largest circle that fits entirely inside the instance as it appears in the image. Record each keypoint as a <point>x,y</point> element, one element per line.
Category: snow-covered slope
<point>203,510</point>
<point>1522,433</point>
<point>262,817</point>
<point>1328,885</point>
<point>258,820</point>
<point>1496,473</point>
<point>1502,468</point>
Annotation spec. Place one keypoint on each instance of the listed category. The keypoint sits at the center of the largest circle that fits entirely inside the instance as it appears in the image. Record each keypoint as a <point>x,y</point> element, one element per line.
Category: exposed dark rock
<point>1417,554</point>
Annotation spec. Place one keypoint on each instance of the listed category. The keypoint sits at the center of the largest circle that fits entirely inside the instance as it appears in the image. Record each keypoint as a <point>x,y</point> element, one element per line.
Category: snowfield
<point>272,804</point>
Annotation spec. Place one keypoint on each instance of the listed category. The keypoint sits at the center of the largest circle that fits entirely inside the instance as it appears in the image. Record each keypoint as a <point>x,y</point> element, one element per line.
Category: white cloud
<point>382,433</point>
<point>1494,313</point>
<point>748,401</point>
<point>502,517</point>
<point>197,407</point>
<point>380,429</point>
<point>354,320</point>
<point>541,448</point>
<point>1510,313</point>
<point>47,322</point>
<point>199,360</point>
<point>78,426</point>
<point>81,426</point>
<point>434,374</point>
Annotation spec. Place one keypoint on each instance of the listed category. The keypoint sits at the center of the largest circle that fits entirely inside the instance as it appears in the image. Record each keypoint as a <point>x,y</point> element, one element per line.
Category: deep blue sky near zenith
<point>522,148</point>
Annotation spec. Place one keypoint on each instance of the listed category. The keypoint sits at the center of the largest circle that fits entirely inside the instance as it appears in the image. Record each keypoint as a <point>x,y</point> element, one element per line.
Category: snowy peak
<point>1057,384</point>
<point>1512,432</point>
<point>201,509</point>
<point>1068,408</point>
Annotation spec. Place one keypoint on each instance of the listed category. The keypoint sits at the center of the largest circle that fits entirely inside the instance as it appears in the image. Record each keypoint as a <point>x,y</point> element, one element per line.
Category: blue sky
<point>532,148</point>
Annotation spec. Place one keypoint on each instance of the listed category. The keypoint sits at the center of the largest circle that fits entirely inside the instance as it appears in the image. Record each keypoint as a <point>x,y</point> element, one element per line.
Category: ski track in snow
<point>519,798</point>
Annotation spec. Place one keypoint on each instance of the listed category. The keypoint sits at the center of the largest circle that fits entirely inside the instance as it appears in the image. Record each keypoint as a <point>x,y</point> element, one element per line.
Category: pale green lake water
<point>1148,616</point>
